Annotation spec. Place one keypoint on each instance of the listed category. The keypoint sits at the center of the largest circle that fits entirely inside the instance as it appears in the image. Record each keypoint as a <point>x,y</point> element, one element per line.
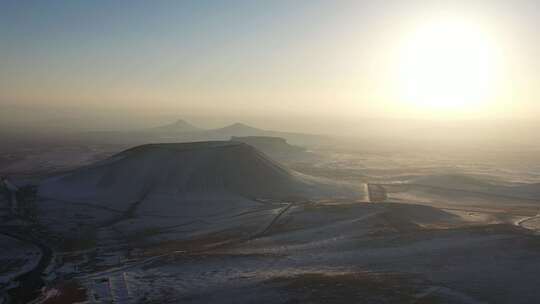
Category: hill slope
<point>187,171</point>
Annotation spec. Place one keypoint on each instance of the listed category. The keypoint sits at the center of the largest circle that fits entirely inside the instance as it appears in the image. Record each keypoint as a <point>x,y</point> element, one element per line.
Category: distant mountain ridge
<point>276,147</point>
<point>183,131</point>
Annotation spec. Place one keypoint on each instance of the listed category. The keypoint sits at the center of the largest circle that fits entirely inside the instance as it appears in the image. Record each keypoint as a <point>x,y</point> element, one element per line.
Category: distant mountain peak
<point>239,126</point>
<point>179,125</point>
<point>181,122</point>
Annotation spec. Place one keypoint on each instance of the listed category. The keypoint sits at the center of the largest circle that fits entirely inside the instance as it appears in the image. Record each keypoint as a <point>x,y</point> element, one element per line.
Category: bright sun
<point>447,65</point>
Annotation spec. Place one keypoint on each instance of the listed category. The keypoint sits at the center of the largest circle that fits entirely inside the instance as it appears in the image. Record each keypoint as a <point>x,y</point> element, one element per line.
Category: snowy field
<point>224,226</point>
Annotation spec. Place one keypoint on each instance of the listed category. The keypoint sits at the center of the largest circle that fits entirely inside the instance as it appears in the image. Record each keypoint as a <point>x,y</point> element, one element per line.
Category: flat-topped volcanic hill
<point>208,170</point>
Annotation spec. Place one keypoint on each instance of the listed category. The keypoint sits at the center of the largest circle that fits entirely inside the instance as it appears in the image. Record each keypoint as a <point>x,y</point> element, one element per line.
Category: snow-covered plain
<point>220,222</point>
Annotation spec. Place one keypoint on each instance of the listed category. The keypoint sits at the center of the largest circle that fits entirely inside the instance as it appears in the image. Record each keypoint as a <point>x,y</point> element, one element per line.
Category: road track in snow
<point>524,220</point>
<point>274,220</point>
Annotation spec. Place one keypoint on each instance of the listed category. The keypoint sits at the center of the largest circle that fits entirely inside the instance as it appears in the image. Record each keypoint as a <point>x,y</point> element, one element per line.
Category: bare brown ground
<point>198,244</point>
<point>68,292</point>
<point>362,287</point>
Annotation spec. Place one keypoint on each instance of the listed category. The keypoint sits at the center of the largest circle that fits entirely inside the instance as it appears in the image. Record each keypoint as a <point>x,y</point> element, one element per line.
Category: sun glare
<point>447,65</point>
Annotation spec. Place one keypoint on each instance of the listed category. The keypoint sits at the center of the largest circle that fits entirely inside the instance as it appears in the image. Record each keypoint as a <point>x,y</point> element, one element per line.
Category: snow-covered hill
<point>187,171</point>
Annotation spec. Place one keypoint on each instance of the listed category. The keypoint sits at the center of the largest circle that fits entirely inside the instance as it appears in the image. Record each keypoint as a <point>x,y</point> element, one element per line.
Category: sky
<point>339,59</point>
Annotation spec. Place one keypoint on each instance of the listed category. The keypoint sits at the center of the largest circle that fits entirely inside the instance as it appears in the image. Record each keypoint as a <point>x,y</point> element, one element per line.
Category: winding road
<point>30,282</point>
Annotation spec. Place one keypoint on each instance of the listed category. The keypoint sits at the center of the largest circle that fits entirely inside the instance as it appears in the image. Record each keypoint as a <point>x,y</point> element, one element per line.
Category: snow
<point>218,221</point>
<point>162,186</point>
<point>186,169</point>
<point>16,258</point>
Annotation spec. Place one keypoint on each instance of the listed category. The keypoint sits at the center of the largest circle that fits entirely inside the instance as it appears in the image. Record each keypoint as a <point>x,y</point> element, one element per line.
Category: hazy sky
<point>336,58</point>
